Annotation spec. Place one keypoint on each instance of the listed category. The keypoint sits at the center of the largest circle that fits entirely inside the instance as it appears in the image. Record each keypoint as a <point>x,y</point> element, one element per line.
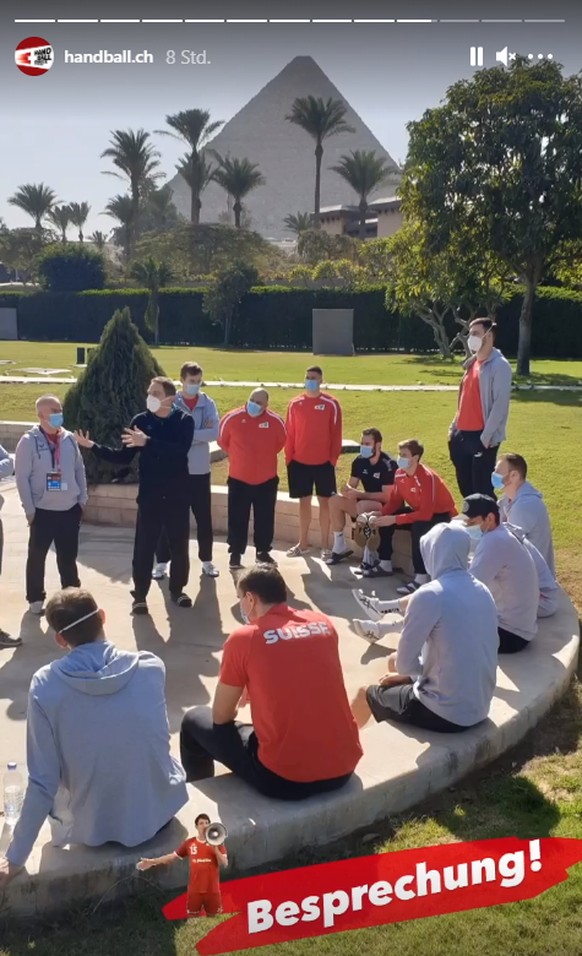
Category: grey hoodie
<point>33,462</point>
<point>6,468</point>
<point>98,750</point>
<point>503,564</point>
<point>206,423</point>
<point>495,376</point>
<point>452,623</point>
<point>548,586</point>
<point>528,511</point>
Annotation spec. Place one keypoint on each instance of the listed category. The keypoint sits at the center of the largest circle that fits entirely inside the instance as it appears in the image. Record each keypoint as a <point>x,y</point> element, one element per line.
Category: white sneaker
<point>36,607</point>
<point>209,569</point>
<point>368,630</point>
<point>159,572</point>
<point>368,604</point>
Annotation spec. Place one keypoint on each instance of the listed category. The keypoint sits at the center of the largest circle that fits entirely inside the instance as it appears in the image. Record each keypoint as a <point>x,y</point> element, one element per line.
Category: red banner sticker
<point>384,888</point>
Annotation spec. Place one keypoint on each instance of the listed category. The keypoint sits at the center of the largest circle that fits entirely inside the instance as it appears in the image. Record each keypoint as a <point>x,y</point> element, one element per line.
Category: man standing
<point>504,565</point>
<point>252,437</point>
<point>479,426</point>
<point>6,469</point>
<point>205,863</point>
<point>51,482</point>
<point>442,677</point>
<point>303,739</point>
<point>314,444</point>
<point>418,500</point>
<point>192,401</point>
<point>523,505</point>
<point>98,751</point>
<point>163,435</point>
<point>375,470</point>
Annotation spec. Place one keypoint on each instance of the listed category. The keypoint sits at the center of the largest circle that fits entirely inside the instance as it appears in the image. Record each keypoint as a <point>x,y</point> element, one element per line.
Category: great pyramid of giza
<point>285,153</point>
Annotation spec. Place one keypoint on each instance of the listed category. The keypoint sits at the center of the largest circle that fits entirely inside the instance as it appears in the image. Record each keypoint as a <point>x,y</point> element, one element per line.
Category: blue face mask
<point>243,614</point>
<point>254,409</point>
<point>497,481</point>
<point>475,531</point>
<point>403,463</point>
<point>311,385</point>
<point>192,388</point>
<point>366,451</point>
<point>56,419</point>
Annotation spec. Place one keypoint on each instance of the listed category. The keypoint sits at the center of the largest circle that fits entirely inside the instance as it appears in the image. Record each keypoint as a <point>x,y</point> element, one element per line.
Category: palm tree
<point>194,128</point>
<point>137,159</point>
<point>321,120</point>
<point>159,210</point>
<point>79,215</point>
<point>299,222</point>
<point>60,216</point>
<point>121,208</point>
<point>197,175</point>
<point>35,200</point>
<point>237,177</point>
<point>364,171</point>
<point>99,239</point>
<point>152,275</point>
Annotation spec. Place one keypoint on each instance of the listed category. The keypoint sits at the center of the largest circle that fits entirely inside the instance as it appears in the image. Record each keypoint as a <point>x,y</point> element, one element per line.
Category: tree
<point>364,171</point>
<point>60,216</point>
<point>35,200</point>
<point>222,300</point>
<point>79,215</point>
<point>314,246</point>
<point>111,391</point>
<point>194,128</point>
<point>321,120</point>
<point>503,157</point>
<point>70,268</point>
<point>152,276</point>
<point>299,222</point>
<point>121,208</point>
<point>238,177</point>
<point>134,155</point>
<point>19,249</point>
<point>159,212</point>
<point>98,239</point>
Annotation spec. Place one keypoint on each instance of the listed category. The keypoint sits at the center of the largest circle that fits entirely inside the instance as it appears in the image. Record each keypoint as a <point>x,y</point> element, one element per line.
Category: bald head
<point>260,396</point>
<point>50,412</point>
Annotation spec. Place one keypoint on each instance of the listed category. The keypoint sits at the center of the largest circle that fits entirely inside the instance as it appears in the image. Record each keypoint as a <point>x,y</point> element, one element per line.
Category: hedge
<point>278,317</point>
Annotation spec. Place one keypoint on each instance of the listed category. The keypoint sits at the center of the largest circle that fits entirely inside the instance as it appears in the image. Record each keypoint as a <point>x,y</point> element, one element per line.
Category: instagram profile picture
<point>34,56</point>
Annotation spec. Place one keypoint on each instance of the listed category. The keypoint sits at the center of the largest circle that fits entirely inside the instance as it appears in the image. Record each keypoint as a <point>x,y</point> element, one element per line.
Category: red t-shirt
<point>252,444</point>
<point>470,415</point>
<point>204,872</point>
<point>314,430</point>
<point>289,662</point>
<point>190,401</point>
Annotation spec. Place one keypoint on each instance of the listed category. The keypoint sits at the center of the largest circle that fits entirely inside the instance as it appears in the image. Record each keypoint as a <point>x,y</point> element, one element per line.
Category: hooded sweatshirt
<point>528,511</point>
<point>35,458</point>
<point>452,623</point>
<point>205,418</point>
<point>548,586</point>
<point>6,468</point>
<point>98,751</point>
<point>504,565</point>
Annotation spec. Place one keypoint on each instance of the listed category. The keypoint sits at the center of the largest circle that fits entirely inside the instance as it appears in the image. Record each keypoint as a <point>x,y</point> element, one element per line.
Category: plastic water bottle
<point>13,795</point>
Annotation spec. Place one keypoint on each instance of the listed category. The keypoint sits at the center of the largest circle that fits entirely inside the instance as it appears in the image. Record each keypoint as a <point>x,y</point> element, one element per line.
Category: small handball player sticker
<point>34,56</point>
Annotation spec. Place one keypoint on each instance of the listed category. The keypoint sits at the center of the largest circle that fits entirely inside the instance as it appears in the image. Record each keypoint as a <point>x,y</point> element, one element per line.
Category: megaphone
<point>501,56</point>
<point>216,834</point>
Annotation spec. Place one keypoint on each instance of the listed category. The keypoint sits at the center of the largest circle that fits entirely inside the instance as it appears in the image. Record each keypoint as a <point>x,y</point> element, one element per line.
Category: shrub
<point>110,391</point>
<point>71,268</point>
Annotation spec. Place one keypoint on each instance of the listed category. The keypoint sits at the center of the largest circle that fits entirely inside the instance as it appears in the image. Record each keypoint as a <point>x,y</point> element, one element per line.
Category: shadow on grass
<point>525,396</point>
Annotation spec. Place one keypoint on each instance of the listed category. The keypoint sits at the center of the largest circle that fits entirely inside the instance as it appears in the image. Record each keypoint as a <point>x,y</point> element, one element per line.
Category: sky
<point>55,126</point>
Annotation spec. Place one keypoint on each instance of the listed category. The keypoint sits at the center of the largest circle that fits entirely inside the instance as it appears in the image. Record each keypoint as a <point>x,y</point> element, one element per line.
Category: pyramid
<point>285,153</point>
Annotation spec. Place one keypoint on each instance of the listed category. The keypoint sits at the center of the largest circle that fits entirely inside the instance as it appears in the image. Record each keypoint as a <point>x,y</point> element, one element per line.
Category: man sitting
<point>419,499</point>
<point>504,565</point>
<point>303,739</point>
<point>549,588</point>
<point>523,505</point>
<point>99,763</point>
<point>442,677</point>
<point>375,470</point>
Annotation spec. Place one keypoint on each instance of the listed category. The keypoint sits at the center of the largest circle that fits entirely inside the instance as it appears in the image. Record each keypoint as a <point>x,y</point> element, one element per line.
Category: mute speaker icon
<point>502,56</point>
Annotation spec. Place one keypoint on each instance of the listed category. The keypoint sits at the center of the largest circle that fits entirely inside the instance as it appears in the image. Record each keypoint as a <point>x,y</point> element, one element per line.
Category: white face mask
<point>153,404</point>
<point>474,342</point>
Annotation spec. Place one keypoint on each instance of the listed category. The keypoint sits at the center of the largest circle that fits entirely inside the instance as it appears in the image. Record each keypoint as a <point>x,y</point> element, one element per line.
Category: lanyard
<point>55,450</point>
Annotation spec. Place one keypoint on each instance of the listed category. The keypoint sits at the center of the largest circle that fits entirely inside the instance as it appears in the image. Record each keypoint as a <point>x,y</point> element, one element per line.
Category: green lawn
<point>534,791</point>
<point>232,365</point>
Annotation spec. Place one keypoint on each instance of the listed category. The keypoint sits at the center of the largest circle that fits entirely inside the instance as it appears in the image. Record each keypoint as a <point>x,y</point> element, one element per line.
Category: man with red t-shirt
<point>205,862</point>
<point>303,739</point>
<point>479,426</point>
<point>252,437</point>
<point>314,444</point>
<point>418,500</point>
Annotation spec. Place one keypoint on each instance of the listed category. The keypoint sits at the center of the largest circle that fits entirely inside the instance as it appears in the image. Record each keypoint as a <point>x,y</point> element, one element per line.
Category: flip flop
<point>336,557</point>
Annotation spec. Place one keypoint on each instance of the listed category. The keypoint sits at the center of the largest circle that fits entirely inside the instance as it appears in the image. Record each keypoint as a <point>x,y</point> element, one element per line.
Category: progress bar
<point>270,20</point>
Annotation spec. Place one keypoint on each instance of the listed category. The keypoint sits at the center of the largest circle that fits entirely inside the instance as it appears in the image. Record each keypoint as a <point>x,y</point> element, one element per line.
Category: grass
<point>234,365</point>
<point>534,791</point>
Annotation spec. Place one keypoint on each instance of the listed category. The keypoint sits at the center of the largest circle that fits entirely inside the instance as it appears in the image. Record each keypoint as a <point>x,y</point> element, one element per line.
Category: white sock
<point>421,578</point>
<point>386,565</point>
<point>388,605</point>
<point>339,542</point>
